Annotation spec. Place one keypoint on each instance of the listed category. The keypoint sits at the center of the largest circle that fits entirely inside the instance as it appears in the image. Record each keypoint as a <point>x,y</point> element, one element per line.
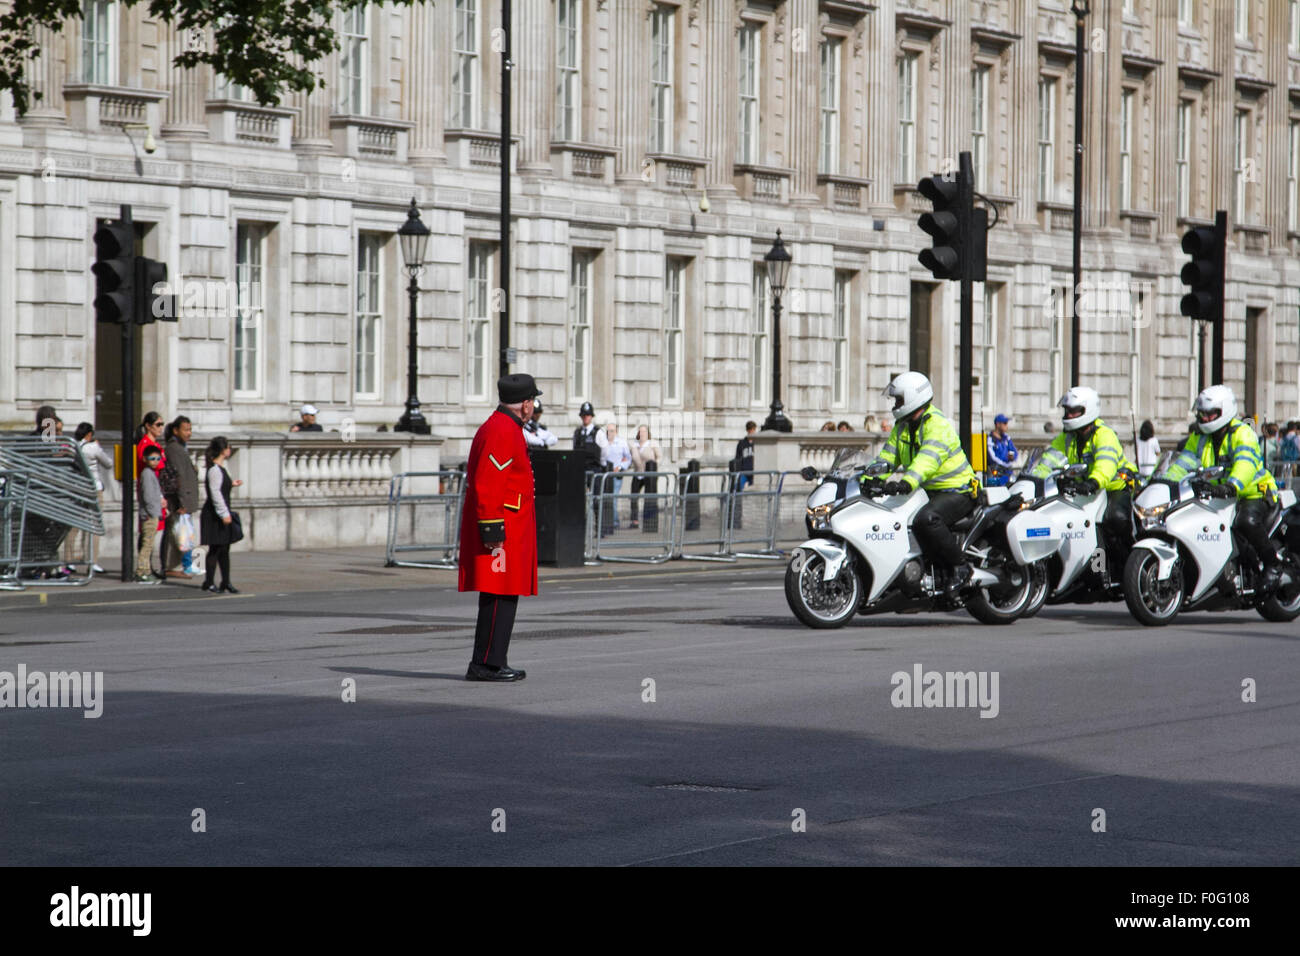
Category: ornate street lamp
<point>1080,9</point>
<point>778,269</point>
<point>413,238</point>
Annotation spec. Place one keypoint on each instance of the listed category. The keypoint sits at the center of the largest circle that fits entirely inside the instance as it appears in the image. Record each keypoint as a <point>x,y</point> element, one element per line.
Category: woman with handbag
<point>220,524</point>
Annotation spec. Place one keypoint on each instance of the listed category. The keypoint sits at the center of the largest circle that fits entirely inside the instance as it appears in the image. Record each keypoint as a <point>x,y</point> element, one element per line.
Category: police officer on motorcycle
<point>1086,439</point>
<point>925,445</point>
<point>1221,438</point>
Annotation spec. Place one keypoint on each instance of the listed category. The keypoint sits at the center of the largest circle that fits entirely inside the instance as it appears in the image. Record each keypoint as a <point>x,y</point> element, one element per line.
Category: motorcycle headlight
<point>1153,512</point>
<point>819,516</point>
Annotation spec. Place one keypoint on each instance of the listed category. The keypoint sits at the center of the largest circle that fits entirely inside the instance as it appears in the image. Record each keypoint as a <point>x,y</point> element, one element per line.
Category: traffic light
<point>153,307</point>
<point>1204,273</point>
<point>959,230</point>
<point>114,271</point>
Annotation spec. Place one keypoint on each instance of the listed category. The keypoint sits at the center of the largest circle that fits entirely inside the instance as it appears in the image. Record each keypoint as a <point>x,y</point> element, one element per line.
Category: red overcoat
<point>499,487</point>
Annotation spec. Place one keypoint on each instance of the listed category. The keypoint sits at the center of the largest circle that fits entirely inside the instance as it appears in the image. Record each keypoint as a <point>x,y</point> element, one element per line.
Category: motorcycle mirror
<point>1074,471</point>
<point>808,473</point>
<point>877,468</point>
<point>1209,474</point>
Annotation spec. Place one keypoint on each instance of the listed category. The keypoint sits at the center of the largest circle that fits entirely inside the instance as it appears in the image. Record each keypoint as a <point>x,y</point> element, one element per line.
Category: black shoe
<point>498,674</point>
<point>229,588</point>
<point>209,586</point>
<point>960,577</point>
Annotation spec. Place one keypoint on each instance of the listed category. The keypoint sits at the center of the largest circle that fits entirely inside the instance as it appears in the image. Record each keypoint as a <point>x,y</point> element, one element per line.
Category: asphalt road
<point>234,705</point>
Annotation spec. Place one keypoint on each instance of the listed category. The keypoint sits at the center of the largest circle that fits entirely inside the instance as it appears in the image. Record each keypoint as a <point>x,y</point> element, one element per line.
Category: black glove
<point>492,533</point>
<point>1222,491</point>
<point>1065,485</point>
<point>1086,486</point>
<point>897,488</point>
<point>871,485</point>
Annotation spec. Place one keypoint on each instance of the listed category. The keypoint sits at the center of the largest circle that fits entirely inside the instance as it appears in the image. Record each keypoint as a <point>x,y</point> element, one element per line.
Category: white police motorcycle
<point>1186,557</point>
<point>862,556</point>
<point>1078,572</point>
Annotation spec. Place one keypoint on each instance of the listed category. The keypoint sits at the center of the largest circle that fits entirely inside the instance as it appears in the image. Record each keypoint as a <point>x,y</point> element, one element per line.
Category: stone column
<point>534,107</point>
<point>1022,178</point>
<point>955,49</point>
<point>45,75</point>
<point>882,106</point>
<point>311,124</point>
<point>1164,126</point>
<point>803,101</point>
<point>630,66</point>
<point>1275,106</point>
<point>185,117</point>
<point>1105,82</point>
<point>719,106</point>
<point>1222,93</point>
<point>424,82</point>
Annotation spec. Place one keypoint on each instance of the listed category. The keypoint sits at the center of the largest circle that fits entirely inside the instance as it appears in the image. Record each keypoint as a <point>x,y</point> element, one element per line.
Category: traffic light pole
<point>966,333</point>
<point>128,434</point>
<point>1220,228</point>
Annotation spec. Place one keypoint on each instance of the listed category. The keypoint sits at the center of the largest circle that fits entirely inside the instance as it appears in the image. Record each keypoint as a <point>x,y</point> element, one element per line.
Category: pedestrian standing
<point>149,435</point>
<point>645,460</point>
<point>535,433</point>
<point>182,491</point>
<point>46,420</point>
<point>99,463</point>
<point>1001,453</point>
<point>1148,450</point>
<point>217,519</point>
<point>307,420</point>
<point>590,440</point>
<point>617,458</point>
<point>152,512</point>
<point>743,462</point>
<point>498,530</point>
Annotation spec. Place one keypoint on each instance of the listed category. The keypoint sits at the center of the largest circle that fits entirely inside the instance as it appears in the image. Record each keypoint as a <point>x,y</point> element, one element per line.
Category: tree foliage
<point>268,46</point>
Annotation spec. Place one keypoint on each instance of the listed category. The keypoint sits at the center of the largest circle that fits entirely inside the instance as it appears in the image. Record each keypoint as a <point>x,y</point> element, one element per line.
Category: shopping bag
<point>184,533</point>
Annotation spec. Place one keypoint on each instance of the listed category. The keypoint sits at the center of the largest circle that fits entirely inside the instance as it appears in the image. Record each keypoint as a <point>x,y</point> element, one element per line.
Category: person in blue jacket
<point>1002,453</point>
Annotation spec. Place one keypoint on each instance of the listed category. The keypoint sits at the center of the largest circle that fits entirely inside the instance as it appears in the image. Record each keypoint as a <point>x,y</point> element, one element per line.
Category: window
<point>478,320</point>
<point>1136,320</point>
<point>1293,177</point>
<point>369,314</point>
<point>829,161</point>
<point>989,346</point>
<point>1295,24</point>
<point>907,117</point>
<point>464,79</point>
<point>250,305</point>
<point>1243,19</point>
<point>1185,12</point>
<point>1196,360</point>
<point>1126,149</point>
<point>979,125</point>
<point>1056,365</point>
<point>1046,139</point>
<point>840,340</point>
<point>674,328</point>
<point>99,42</point>
<point>759,329</point>
<point>1182,156</point>
<point>1129,8</point>
<point>1241,127</point>
<point>750,63</point>
<point>580,311</point>
<point>568,70</point>
<point>662,24</point>
<point>354,88</point>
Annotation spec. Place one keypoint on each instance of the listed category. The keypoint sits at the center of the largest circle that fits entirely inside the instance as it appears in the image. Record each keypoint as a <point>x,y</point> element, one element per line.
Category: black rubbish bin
<point>558,481</point>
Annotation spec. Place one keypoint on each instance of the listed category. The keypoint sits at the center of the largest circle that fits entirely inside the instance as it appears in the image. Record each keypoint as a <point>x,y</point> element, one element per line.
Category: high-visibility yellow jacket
<point>1102,452</point>
<point>930,454</point>
<point>1235,448</point>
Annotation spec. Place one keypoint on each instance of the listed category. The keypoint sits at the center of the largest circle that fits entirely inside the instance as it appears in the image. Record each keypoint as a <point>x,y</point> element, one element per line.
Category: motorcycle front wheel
<point>1002,605</point>
<point>1041,590</point>
<point>1153,602</point>
<point>818,603</point>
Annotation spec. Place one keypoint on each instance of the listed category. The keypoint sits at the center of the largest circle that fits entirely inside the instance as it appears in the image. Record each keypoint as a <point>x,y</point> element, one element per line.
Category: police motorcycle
<point>1078,571</point>
<point>862,557</point>
<point>1187,557</point>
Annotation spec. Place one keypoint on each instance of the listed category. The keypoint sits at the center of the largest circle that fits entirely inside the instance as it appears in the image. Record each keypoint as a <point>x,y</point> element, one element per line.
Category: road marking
<point>758,587</point>
<point>215,597</point>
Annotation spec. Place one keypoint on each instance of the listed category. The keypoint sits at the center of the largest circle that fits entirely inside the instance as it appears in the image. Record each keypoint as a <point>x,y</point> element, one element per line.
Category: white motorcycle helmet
<point>1215,407</point>
<point>1082,407</point>
<point>909,390</point>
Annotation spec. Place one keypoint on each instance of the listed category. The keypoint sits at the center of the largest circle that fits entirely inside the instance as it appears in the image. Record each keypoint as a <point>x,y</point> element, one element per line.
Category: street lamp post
<point>413,238</point>
<point>778,268</point>
<point>1080,9</point>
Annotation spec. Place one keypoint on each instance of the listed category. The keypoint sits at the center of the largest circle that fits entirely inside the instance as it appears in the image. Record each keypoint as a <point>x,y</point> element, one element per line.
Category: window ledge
<point>674,171</point>
<point>1141,223</point>
<point>762,183</point>
<point>94,106</point>
<point>842,191</point>
<point>477,148</point>
<point>1251,237</point>
<point>1056,216</point>
<point>575,160</point>
<point>250,124</point>
<point>370,137</point>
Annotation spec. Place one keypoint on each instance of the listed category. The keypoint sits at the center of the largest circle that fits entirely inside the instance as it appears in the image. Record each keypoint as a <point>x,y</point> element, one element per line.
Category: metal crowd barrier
<point>1287,474</point>
<point>641,522</point>
<point>432,502</point>
<point>46,493</point>
<point>755,506</point>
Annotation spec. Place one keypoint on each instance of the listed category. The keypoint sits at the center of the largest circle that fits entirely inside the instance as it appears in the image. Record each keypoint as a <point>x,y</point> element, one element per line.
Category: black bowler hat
<point>514,389</point>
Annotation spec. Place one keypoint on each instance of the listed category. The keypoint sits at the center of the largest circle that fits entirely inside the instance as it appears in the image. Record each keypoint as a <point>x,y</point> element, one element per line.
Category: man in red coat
<point>498,529</point>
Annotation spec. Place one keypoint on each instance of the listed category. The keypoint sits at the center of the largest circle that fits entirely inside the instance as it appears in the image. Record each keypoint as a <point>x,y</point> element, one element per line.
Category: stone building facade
<point>659,145</point>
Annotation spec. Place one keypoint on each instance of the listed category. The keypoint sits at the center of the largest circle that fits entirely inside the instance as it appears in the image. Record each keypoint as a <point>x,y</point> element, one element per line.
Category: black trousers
<point>218,556</point>
<point>496,619</point>
<point>933,525</point>
<point>1117,522</point>
<point>1250,524</point>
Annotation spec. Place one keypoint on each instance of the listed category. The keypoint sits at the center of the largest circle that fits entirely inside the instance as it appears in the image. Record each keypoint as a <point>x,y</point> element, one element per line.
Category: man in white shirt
<point>534,434</point>
<point>617,458</point>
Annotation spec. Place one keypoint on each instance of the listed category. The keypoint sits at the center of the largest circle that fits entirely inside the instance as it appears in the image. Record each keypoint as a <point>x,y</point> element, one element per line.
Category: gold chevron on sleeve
<point>519,502</point>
